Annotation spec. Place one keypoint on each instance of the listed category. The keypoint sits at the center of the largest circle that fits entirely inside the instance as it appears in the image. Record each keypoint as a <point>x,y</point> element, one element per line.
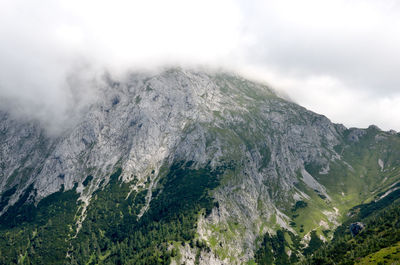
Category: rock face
<point>174,115</point>
<point>281,153</point>
<point>356,228</point>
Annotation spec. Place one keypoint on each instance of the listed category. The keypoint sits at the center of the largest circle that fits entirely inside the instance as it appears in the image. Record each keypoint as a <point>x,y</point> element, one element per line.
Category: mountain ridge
<point>273,152</point>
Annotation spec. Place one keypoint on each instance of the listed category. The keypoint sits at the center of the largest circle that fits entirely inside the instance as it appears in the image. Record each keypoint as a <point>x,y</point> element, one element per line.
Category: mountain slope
<point>185,165</point>
<point>376,242</point>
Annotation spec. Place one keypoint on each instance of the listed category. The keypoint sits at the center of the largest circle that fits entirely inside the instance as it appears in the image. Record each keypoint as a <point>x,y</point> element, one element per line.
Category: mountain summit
<point>184,166</point>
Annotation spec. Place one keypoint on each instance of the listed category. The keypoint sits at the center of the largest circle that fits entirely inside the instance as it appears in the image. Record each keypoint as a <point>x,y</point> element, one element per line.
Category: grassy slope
<point>382,230</point>
<point>389,255</point>
<point>357,178</point>
<point>348,186</point>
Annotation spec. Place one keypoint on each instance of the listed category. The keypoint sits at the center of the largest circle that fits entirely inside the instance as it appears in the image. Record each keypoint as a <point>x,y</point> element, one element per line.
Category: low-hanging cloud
<point>339,58</point>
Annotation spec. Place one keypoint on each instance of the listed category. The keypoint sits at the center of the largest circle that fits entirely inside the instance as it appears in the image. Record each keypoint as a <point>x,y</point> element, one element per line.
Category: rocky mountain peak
<point>264,162</point>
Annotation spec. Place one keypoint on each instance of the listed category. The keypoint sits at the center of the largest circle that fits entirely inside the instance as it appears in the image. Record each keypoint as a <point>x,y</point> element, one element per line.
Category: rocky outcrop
<point>356,228</point>
<point>278,152</point>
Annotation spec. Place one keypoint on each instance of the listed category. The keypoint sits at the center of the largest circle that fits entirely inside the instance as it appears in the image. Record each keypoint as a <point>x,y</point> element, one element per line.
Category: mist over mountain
<point>344,68</point>
<point>188,166</point>
<point>199,132</point>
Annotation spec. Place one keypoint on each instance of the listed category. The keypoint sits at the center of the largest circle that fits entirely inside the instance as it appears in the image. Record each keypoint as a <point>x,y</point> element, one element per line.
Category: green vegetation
<point>87,180</point>
<point>123,225</point>
<point>314,244</point>
<point>382,230</point>
<point>37,235</point>
<point>299,205</point>
<point>306,215</point>
<point>389,255</point>
<point>137,99</point>
<point>112,232</point>
<point>349,186</point>
<point>274,248</point>
<point>367,170</point>
<point>6,197</point>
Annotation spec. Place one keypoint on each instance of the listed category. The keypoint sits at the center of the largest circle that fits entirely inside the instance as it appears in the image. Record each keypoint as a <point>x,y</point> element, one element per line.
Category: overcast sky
<point>338,58</point>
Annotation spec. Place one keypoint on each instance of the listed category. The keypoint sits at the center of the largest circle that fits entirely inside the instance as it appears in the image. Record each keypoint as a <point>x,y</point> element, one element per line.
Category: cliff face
<point>273,153</point>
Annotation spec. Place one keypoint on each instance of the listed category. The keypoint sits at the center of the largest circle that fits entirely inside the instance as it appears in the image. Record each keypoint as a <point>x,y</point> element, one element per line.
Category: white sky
<point>338,58</point>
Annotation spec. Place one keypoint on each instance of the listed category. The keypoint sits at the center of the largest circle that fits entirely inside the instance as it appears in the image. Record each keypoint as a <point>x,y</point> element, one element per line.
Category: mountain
<point>185,166</point>
<point>376,239</point>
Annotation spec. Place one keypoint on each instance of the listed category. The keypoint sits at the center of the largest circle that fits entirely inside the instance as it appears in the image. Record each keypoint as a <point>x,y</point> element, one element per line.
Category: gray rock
<point>146,121</point>
<point>355,134</point>
<point>356,228</point>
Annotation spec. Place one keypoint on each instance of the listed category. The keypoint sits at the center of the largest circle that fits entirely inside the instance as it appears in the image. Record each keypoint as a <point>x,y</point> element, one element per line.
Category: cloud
<point>330,96</point>
<point>357,41</point>
<point>339,58</point>
<point>44,45</point>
